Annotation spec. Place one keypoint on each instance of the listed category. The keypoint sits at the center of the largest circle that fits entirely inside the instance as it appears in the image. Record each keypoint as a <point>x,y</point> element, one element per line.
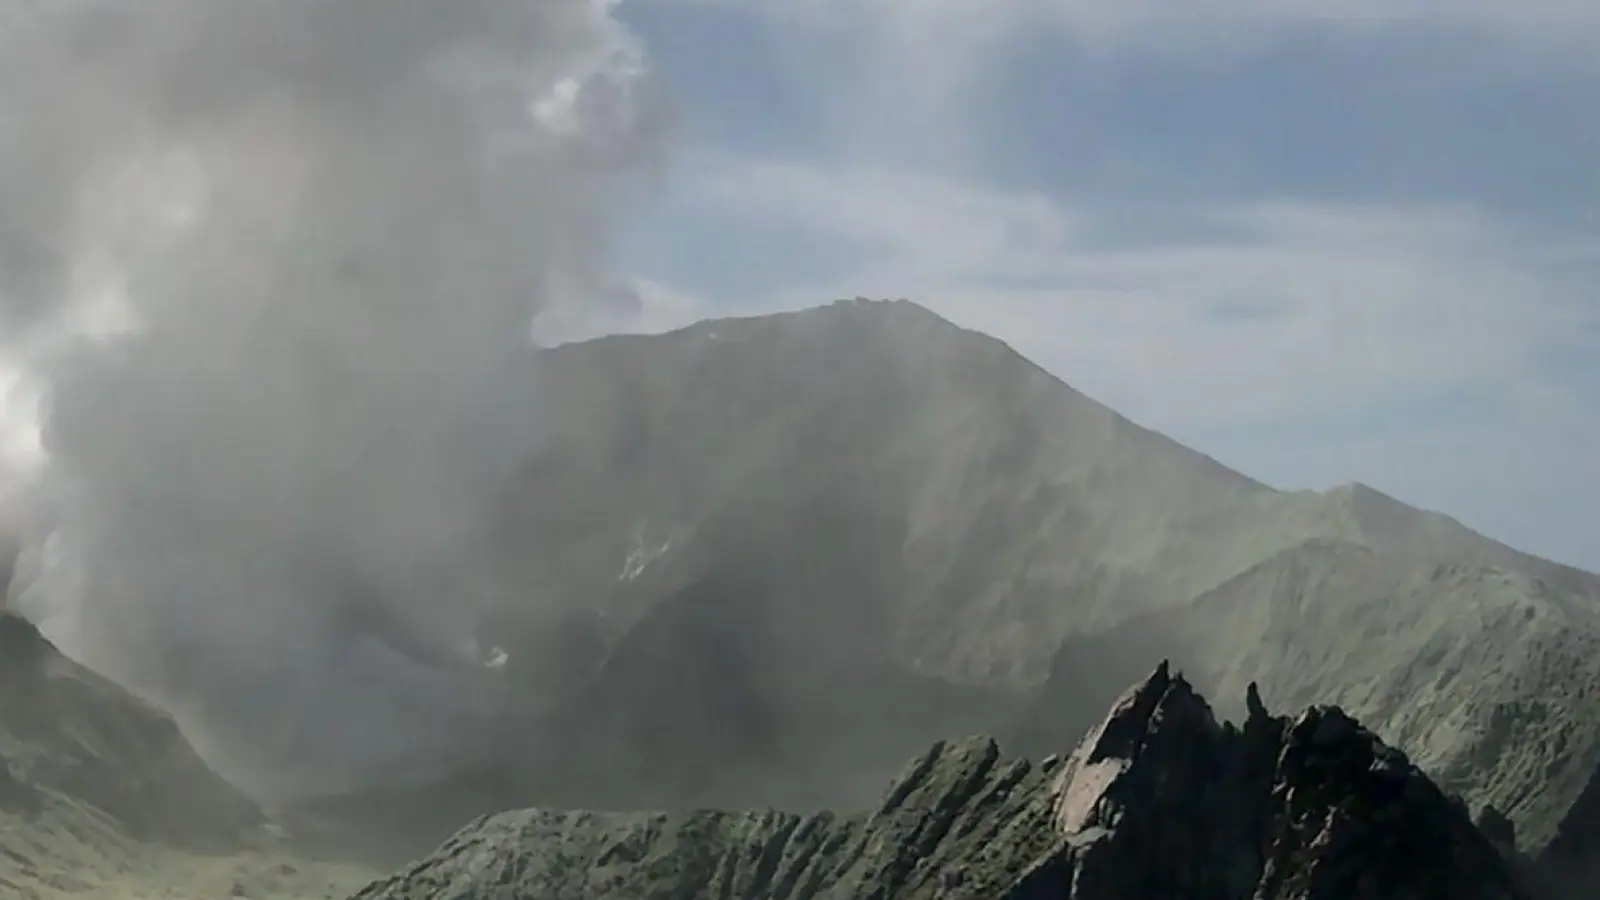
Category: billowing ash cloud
<point>274,263</point>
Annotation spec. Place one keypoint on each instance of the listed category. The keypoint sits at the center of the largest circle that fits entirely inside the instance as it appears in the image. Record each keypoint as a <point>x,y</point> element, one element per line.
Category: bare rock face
<point>1314,806</point>
<point>1160,801</point>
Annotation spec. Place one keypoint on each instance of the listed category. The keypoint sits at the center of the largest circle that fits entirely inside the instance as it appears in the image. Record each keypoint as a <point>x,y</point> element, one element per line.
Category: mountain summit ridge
<point>1022,498</point>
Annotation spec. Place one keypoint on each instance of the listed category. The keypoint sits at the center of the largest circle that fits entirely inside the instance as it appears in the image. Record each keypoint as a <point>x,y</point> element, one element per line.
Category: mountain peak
<point>1360,492</point>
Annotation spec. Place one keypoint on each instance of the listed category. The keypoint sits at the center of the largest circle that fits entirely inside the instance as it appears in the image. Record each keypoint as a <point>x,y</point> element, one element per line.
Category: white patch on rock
<point>646,549</point>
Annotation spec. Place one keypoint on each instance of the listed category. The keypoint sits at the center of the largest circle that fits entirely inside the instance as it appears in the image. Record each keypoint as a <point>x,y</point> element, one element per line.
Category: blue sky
<point>1355,240</point>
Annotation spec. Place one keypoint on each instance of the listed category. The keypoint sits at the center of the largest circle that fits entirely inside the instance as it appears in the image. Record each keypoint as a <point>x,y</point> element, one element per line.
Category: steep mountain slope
<point>1488,677</point>
<point>101,796</point>
<point>1014,511</point>
<point>1005,489</point>
<point>1159,801</point>
<point>731,689</point>
<point>740,689</point>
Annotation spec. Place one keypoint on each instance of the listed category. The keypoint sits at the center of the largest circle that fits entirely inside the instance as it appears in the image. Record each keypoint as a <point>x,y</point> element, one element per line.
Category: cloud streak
<point>1115,20</point>
<point>1261,310</point>
<point>918,70</point>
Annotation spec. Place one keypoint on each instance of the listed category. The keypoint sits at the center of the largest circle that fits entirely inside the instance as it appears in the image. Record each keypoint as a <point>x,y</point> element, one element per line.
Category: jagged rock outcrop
<point>1159,801</point>
<point>1484,677</point>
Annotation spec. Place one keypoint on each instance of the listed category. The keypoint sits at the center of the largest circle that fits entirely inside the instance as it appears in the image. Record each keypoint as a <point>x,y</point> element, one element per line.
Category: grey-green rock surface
<point>1159,801</point>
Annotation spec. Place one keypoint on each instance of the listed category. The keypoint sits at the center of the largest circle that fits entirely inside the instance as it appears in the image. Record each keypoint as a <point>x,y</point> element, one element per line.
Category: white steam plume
<point>273,264</point>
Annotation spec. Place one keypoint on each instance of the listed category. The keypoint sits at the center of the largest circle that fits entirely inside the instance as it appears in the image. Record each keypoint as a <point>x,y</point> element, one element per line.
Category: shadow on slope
<point>766,680</point>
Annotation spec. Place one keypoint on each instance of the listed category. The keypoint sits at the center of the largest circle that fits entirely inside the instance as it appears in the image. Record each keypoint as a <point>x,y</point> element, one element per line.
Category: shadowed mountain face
<point>742,684</point>
<point>764,558</point>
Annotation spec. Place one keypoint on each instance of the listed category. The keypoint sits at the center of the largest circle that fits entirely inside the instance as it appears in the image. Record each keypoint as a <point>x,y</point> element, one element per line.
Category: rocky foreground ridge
<point>1160,801</point>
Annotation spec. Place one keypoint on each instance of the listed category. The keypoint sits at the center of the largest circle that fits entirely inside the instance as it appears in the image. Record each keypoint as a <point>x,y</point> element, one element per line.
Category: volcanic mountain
<point>766,558</point>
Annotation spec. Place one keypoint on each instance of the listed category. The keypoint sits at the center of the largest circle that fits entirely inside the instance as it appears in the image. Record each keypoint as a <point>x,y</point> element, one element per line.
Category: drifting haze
<point>272,265</point>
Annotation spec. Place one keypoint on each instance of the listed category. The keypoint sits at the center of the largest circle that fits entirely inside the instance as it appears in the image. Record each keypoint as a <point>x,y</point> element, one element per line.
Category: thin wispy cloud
<point>1284,309</point>
<point>1121,19</point>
